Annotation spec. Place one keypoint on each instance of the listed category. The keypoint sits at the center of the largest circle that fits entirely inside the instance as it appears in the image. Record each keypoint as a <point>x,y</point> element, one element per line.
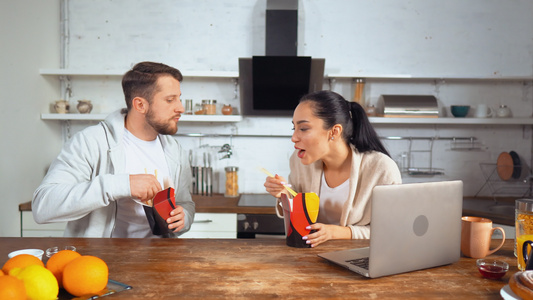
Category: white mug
<point>483,111</point>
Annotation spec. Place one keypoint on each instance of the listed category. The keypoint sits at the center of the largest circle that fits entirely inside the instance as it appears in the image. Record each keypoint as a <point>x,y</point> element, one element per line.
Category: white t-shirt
<point>331,201</point>
<point>142,157</point>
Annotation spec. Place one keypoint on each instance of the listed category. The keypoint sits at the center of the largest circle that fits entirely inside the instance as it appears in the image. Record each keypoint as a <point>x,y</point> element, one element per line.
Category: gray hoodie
<point>88,177</point>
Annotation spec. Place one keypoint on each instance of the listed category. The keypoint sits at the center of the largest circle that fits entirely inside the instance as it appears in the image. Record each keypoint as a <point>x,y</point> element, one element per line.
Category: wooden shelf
<point>184,118</point>
<point>83,72</point>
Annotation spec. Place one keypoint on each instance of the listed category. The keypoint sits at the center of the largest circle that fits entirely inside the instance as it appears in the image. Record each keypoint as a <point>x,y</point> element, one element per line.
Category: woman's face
<point>309,137</point>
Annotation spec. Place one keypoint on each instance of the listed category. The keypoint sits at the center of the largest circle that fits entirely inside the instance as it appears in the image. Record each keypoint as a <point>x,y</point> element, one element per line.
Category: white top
<point>331,201</point>
<point>141,157</point>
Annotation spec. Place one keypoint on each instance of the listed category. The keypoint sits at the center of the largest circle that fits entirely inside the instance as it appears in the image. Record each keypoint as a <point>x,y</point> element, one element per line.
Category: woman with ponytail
<point>339,157</point>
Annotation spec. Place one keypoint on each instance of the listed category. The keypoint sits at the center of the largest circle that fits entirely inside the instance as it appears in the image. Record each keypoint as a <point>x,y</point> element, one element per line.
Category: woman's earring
<point>332,138</point>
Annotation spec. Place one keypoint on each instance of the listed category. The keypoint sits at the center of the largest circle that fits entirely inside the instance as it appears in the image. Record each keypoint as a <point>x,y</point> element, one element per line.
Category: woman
<point>340,157</point>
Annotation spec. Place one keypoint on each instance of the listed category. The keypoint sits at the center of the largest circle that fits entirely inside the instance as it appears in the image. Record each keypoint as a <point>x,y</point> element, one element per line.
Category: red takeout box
<point>164,203</point>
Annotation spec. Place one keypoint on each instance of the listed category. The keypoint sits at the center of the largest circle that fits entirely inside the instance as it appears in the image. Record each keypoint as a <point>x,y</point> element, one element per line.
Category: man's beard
<point>161,127</point>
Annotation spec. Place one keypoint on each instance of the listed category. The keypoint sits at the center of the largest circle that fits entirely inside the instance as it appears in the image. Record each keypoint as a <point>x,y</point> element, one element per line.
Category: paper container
<point>164,203</point>
<point>299,212</point>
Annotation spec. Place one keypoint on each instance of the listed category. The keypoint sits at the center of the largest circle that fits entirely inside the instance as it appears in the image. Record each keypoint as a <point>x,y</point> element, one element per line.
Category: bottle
<point>232,185</point>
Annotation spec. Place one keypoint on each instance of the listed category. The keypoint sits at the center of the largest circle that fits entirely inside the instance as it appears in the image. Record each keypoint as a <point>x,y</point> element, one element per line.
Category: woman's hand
<point>274,185</point>
<point>325,233</point>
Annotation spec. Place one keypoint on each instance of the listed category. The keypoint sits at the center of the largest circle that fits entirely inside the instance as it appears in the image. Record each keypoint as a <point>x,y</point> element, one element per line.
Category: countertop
<point>211,204</point>
<point>500,211</point>
<point>264,268</point>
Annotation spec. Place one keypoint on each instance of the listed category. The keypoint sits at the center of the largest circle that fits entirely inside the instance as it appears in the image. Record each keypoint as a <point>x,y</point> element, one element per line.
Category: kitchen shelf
<point>82,72</point>
<point>452,121</point>
<point>407,76</point>
<point>184,118</point>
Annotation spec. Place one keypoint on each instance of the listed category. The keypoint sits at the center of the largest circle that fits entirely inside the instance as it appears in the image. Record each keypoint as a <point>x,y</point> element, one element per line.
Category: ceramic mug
<point>483,111</point>
<point>476,235</point>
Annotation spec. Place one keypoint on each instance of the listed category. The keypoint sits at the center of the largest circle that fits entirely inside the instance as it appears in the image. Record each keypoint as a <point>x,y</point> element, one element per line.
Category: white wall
<point>420,38</point>
<point>29,33</point>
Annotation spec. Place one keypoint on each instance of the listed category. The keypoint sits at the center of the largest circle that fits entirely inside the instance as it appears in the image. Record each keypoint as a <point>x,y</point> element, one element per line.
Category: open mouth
<point>301,153</point>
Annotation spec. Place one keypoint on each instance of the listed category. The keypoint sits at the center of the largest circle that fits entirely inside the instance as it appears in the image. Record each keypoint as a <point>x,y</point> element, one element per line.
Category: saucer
<point>508,294</point>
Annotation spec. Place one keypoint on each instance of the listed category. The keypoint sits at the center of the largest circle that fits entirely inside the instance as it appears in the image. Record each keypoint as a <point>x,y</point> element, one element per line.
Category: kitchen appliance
<point>266,225</point>
<point>273,85</point>
<point>424,106</point>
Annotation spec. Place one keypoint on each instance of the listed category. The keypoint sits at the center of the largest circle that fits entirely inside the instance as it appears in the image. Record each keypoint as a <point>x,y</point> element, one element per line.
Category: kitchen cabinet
<point>31,229</point>
<point>213,225</point>
<point>205,225</point>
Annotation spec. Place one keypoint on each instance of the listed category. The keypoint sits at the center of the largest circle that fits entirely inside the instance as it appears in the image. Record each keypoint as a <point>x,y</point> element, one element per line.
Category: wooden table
<point>263,268</point>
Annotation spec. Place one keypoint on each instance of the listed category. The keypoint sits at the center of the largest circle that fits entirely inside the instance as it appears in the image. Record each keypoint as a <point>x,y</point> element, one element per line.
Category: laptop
<point>414,226</point>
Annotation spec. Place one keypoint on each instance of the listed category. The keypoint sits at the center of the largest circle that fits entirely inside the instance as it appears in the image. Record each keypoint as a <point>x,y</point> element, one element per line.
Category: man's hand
<point>176,222</point>
<point>144,186</point>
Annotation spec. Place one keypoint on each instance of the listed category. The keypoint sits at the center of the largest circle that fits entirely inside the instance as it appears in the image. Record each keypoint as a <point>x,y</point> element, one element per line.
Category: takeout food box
<point>299,212</point>
<point>164,202</point>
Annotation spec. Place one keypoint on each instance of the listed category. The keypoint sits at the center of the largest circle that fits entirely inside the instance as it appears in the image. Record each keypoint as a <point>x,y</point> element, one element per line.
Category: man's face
<point>165,108</point>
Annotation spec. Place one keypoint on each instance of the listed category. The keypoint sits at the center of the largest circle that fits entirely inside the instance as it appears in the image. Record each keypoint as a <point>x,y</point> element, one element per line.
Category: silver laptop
<point>414,226</point>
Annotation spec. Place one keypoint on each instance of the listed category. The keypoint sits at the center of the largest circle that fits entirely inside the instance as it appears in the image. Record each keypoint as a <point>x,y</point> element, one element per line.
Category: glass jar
<point>227,109</point>
<point>188,106</point>
<point>210,106</point>
<point>199,109</point>
<point>232,182</point>
<point>523,211</point>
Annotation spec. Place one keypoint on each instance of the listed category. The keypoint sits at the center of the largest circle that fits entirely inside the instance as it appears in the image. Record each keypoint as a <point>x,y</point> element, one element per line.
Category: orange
<point>1,272</point>
<point>85,275</point>
<point>12,288</point>
<point>21,261</point>
<point>58,261</point>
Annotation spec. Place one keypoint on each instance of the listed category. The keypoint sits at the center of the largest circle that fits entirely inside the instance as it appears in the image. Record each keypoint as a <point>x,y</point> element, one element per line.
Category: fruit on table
<point>85,275</point>
<point>21,261</point>
<point>12,288</point>
<point>57,262</point>
<point>39,282</point>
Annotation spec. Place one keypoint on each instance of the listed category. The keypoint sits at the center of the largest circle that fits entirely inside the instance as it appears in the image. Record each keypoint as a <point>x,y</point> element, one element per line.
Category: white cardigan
<point>369,169</point>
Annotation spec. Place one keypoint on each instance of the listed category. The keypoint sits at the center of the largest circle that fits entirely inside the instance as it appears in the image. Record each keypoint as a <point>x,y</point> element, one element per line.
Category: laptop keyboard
<point>359,262</point>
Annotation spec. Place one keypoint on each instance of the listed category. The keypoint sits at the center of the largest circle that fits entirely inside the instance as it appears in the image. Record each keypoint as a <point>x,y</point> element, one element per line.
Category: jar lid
<point>206,101</point>
<point>524,204</point>
<point>231,169</point>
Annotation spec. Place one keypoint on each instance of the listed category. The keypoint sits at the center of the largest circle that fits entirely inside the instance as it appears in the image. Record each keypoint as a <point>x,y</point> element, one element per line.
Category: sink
<point>503,209</point>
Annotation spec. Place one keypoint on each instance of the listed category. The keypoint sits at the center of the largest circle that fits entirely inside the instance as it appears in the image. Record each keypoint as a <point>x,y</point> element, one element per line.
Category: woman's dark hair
<point>333,109</point>
<point>140,81</point>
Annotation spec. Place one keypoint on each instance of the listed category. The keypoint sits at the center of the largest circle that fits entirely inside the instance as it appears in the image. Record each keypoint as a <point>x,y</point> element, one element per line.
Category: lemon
<point>40,283</point>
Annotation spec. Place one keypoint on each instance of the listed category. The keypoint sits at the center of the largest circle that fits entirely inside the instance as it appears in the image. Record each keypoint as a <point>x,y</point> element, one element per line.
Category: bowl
<point>53,250</point>
<point>35,252</point>
<point>492,269</point>
<point>460,111</point>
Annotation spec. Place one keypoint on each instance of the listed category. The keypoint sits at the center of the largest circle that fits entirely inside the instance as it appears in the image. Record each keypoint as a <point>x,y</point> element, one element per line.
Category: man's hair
<point>140,81</point>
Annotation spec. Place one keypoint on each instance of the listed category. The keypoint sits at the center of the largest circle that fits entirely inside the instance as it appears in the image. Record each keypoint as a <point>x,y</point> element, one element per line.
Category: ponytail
<point>363,135</point>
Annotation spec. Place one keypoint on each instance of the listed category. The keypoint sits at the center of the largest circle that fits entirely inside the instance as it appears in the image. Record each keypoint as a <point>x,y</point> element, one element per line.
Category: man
<point>105,173</point>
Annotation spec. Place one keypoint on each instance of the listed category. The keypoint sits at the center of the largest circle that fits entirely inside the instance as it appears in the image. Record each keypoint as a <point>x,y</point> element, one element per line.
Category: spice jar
<point>232,185</point>
<point>210,106</point>
<point>199,109</point>
<point>188,106</point>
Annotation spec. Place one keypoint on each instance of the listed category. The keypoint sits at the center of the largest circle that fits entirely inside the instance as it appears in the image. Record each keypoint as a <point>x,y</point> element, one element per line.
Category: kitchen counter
<point>263,268</point>
<point>212,204</point>
<point>501,211</point>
